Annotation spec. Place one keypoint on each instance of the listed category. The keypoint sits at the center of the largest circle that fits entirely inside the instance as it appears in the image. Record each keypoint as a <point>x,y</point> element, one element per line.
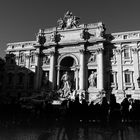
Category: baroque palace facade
<point>81,50</point>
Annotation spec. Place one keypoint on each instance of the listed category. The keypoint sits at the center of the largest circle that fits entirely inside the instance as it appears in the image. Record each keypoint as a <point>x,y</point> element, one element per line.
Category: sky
<point>20,20</point>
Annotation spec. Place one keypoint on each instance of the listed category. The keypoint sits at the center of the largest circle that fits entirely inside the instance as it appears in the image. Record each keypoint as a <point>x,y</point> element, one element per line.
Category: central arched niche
<point>67,64</point>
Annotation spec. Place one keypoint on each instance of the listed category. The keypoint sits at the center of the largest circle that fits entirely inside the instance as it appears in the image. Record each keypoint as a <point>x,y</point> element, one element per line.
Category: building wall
<point>121,56</point>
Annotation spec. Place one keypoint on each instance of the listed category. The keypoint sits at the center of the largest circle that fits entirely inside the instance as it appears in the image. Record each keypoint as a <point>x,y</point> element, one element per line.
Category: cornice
<point>22,43</point>
<point>125,41</point>
<point>73,42</point>
<point>20,49</point>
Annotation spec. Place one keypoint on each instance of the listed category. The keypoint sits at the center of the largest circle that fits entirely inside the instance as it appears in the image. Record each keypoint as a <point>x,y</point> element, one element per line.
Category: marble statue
<point>91,79</point>
<point>68,21</point>
<point>66,84</point>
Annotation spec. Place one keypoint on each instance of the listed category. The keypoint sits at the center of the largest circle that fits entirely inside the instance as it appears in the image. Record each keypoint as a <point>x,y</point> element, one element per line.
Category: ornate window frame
<point>114,83</point>
<point>32,57</point>
<point>128,84</point>
<point>127,54</point>
<point>21,58</point>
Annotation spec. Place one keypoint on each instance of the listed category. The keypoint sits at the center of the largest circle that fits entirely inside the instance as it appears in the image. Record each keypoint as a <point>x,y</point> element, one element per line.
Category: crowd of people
<point>19,113</point>
<point>127,111</point>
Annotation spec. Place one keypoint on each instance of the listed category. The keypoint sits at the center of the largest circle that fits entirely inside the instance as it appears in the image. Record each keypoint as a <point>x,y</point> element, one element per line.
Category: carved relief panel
<point>46,60</point>
<point>92,58</point>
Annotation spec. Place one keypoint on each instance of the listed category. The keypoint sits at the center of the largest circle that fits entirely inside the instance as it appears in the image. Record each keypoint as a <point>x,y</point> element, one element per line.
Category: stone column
<point>100,79</point>
<point>38,70</point>
<point>136,67</point>
<point>58,77</point>
<point>52,71</point>
<point>76,78</point>
<point>27,60</point>
<point>120,72</point>
<point>82,70</point>
<point>17,59</point>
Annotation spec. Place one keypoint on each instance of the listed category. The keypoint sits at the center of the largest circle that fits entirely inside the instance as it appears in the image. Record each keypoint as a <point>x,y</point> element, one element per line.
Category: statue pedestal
<point>93,93</point>
<point>92,89</point>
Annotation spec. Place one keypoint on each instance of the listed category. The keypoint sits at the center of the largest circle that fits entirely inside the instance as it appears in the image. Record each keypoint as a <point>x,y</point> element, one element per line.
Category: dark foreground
<point>71,120</point>
<point>63,130</point>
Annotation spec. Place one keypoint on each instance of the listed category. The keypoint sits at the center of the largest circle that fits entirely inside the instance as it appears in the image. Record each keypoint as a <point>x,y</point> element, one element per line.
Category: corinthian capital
<point>37,53</point>
<point>27,56</point>
<point>17,57</point>
<point>134,50</point>
<point>99,50</point>
<point>52,53</point>
<point>118,51</point>
<point>82,51</point>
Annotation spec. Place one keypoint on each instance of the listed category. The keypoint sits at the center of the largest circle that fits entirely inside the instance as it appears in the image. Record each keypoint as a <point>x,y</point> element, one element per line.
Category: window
<point>125,36</point>
<point>127,77</point>
<point>21,57</point>
<point>112,78</point>
<point>32,57</point>
<point>126,53</point>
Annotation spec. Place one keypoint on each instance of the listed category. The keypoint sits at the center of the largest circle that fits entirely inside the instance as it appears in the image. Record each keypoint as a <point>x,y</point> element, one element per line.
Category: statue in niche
<point>66,84</point>
<point>92,79</point>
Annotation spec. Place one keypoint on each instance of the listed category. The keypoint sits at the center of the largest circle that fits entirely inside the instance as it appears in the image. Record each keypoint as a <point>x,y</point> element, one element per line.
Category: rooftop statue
<point>68,21</point>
